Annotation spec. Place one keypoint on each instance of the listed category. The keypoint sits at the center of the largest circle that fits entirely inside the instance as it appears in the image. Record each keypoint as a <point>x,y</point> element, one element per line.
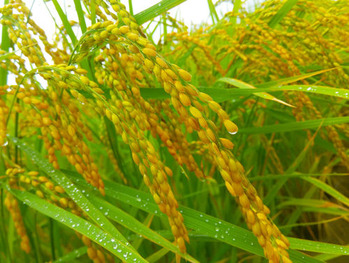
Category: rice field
<point>220,142</point>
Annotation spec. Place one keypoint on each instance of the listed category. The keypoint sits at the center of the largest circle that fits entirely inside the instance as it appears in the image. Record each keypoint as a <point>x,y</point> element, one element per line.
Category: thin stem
<point>130,6</point>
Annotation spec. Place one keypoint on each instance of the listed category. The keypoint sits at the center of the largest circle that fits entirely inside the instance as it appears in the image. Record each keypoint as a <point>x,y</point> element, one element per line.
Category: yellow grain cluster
<point>12,206</point>
<point>3,120</point>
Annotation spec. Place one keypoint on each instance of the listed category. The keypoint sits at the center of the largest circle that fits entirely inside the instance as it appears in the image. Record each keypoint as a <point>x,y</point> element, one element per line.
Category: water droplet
<point>233,133</point>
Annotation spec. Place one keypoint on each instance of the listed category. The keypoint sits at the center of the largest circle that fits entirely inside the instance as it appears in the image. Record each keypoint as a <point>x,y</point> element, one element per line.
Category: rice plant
<point>220,142</point>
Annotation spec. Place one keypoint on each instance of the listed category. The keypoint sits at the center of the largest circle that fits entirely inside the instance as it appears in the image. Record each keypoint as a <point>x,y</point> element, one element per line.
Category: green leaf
<point>335,92</point>
<point>80,14</point>
<point>75,193</point>
<point>213,12</point>
<point>283,81</point>
<point>156,10</point>
<point>243,85</point>
<point>130,6</point>
<point>314,205</point>
<point>134,225</point>
<point>328,189</point>
<point>93,12</point>
<point>326,210</point>
<point>295,126</point>
<point>118,248</point>
<point>283,11</point>
<point>221,95</point>
<point>65,22</point>
<point>318,247</point>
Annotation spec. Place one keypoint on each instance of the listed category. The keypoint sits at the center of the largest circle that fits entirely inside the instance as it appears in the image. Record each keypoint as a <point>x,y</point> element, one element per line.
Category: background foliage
<point>116,148</point>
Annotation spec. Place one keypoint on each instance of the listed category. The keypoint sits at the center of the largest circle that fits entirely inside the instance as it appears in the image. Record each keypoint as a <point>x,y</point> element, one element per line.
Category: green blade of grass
<point>284,81</point>
<point>134,225</point>
<point>307,202</point>
<point>130,6</point>
<point>294,126</point>
<point>243,85</point>
<point>74,192</point>
<point>93,12</point>
<point>156,10</point>
<point>326,210</point>
<point>318,247</point>
<point>213,12</point>
<point>65,22</point>
<point>221,95</point>
<point>314,205</point>
<point>328,189</point>
<point>99,236</point>
<point>283,11</point>
<point>80,14</point>
<point>293,175</point>
<point>323,90</point>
